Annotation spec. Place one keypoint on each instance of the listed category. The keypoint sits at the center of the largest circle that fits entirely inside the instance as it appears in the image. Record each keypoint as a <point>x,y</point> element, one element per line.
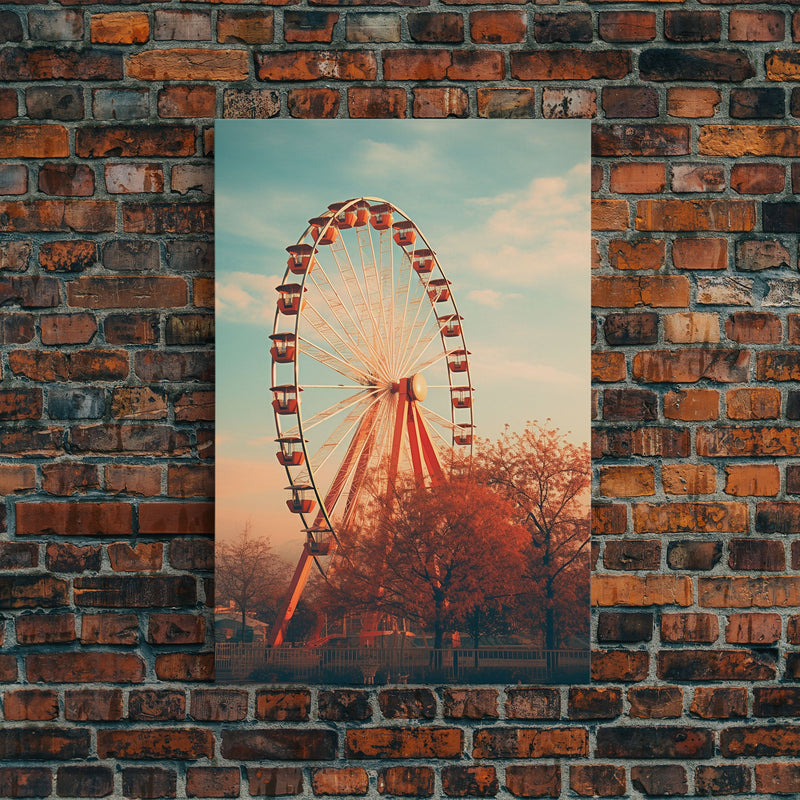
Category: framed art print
<point>402,468</point>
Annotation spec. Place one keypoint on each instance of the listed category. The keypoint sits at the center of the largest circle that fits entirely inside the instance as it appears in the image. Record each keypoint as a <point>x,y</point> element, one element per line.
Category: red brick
<point>149,782</point>
<point>376,102</point>
<point>619,665</point>
<point>406,781</point>
<point>66,557</point>
<point>16,328</point>
<point>689,366</point>
<point>66,180</point>
<point>569,64</point>
<point>595,703</point>
<point>146,743</point>
<point>245,27</point>
<point>187,101</point>
<point>761,740</point>
<point>313,103</point>
<point>743,480</point>
<point>609,215</point>
<point>84,781</point>
<point>497,27</point>
<point>120,629</point>
<point>182,25</point>
<point>212,782</point>
<point>33,141</point>
<point>345,781</point>
<point>608,366</point>
<point>640,102</point>
<point>627,481</point>
<point>192,406</point>
<point>702,253</point>
<point>427,26</point>
<point>21,781</point>
<point>656,741</point>
<point>725,779</point>
<point>706,517</point>
<point>747,140</point>
<point>167,218</point>
<point>534,780</point>
<point>307,744</point>
<point>628,292</point>
<point>777,778</point>
<point>756,629</point>
<point>185,667</point>
<point>758,178</point>
<point>47,63</point>
<point>639,254</point>
<point>416,64</point>
<point>128,141</point>
<point>630,590</point>
<point>695,215</point>
<point>85,667</point>
<point>539,703</point>
<point>530,742</point>
<point>470,704</point>
<point>753,403</point>
<point>176,629</point>
<point>659,780</point>
<point>74,519</point>
<point>439,103</point>
<point>130,178</point>
<point>719,703</point>
<point>143,557</point>
<point>470,781</point>
<point>627,26</point>
<point>68,328</point>
<point>597,780</point>
<point>133,480</point>
<point>123,27</point>
<point>68,478</point>
<point>93,704</point>
<point>756,26</point>
<point>45,628</point>
<point>506,103</point>
<point>84,216</point>
<point>275,781</point>
<point>745,592</point>
<point>127,292</point>
<point>150,705</point>
<point>131,328</point>
<point>640,140</point>
<point>188,64</point>
<point>649,702</point>
<point>637,178</point>
<point>692,26</point>
<point>218,705</point>
<point>307,65</point>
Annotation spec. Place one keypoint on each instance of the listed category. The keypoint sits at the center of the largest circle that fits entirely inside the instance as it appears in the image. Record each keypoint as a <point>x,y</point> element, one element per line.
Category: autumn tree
<point>546,479</point>
<point>429,555</point>
<point>247,574</point>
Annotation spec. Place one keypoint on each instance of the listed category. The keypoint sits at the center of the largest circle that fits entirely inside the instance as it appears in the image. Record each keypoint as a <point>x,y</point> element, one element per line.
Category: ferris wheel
<point>369,369</point>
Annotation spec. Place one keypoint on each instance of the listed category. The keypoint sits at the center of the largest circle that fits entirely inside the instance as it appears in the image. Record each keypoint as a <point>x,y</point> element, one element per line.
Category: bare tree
<point>547,480</point>
<point>247,573</point>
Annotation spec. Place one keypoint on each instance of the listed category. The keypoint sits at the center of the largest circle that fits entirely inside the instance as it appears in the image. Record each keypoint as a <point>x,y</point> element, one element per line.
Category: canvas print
<point>402,468</point>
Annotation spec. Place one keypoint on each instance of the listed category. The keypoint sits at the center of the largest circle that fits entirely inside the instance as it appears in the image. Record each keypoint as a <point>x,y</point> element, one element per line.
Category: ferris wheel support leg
<point>278,632</point>
<point>428,450</point>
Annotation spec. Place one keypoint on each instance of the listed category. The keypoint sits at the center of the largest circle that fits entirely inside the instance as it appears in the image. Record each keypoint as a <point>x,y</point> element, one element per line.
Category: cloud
<point>382,160</point>
<point>246,297</point>
<point>519,370</point>
<point>490,297</point>
<point>527,237</point>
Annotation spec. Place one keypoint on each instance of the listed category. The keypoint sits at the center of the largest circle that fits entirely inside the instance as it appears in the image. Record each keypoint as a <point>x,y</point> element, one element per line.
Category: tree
<point>547,480</point>
<point>248,574</point>
<point>429,555</point>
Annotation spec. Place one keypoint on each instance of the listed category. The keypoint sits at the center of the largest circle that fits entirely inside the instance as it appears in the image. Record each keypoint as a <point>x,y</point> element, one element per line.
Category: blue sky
<point>505,205</point>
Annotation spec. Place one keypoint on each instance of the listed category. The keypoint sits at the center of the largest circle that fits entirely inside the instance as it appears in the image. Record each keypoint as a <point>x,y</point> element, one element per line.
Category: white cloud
<point>519,370</point>
<point>490,297</point>
<point>527,237</point>
<point>382,160</point>
<point>246,297</point>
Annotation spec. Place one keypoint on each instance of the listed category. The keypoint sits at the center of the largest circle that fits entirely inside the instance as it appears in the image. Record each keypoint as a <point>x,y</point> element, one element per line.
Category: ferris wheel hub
<point>418,387</point>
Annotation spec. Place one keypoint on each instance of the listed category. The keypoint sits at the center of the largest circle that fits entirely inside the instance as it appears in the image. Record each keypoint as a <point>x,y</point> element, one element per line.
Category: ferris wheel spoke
<point>331,411</point>
<point>423,365</point>
<point>320,324</point>
<point>418,301</point>
<point>387,280</point>
<point>340,434</point>
<point>335,363</point>
<point>421,345</point>
<point>371,271</point>
<point>406,271</point>
<point>341,313</point>
<point>349,277</point>
<point>438,419</point>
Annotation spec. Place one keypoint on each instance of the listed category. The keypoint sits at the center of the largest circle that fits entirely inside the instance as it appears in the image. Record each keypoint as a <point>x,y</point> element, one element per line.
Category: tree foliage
<point>429,555</point>
<point>249,575</point>
<point>546,479</point>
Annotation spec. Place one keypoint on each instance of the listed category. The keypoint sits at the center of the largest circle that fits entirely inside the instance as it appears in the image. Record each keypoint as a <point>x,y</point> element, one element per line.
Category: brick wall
<point>107,405</point>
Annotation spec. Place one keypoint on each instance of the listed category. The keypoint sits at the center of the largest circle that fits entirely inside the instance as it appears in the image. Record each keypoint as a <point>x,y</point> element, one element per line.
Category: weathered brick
<point>93,704</point>
<point>533,704</point>
<point>109,629</point>
<point>344,704</point>
<point>255,744</point>
<point>692,26</point>
<point>636,626</point>
<point>406,781</point>
<point>40,743</point>
<point>245,27</point>
<point>218,705</point>
<point>122,27</point>
<point>619,665</point>
<point>569,63</point>
<point>82,667</point>
<point>149,782</point>
<point>212,782</point>
<point>124,105</point>
<point>45,629</point>
<point>497,27</point>
<point>534,780</point>
<point>274,781</point>
<point>725,779</point>
<point>144,743</point>
<point>660,780</point>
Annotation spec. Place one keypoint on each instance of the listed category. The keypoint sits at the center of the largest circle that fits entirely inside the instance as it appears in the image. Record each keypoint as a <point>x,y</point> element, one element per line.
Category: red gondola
<point>451,326</point>
<point>291,452</point>
<point>457,360</point>
<point>439,290</point>
<point>283,348</point>
<point>302,501</point>
<point>300,258</point>
<point>380,216</point>
<point>404,233</point>
<point>289,301</point>
<point>317,225</point>
<point>462,396</point>
<point>285,399</point>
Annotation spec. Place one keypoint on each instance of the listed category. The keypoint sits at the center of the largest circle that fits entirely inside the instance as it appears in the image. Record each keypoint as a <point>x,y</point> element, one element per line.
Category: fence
<point>368,665</point>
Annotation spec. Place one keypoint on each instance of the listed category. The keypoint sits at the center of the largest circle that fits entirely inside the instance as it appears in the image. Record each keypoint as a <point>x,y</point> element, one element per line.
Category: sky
<point>503,203</point>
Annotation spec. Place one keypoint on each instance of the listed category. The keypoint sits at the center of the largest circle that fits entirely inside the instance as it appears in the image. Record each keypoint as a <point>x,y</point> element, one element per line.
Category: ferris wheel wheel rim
<point>330,216</point>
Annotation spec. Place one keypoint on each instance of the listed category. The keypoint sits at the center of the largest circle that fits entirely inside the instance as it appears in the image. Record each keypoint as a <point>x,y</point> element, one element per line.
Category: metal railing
<point>367,665</point>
